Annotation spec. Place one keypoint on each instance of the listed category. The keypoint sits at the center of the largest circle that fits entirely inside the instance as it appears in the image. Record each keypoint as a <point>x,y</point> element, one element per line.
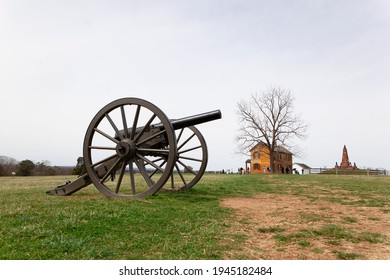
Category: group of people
<point>243,171</point>
<point>284,170</point>
<point>287,169</point>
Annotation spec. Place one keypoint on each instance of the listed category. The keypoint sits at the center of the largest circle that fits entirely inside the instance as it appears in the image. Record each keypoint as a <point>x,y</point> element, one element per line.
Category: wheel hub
<point>126,148</point>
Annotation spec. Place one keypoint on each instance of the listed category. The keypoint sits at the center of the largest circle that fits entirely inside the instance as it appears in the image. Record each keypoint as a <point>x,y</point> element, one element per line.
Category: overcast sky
<point>62,61</point>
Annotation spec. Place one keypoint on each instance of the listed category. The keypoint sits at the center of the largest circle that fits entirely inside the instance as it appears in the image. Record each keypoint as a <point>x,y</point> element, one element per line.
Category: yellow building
<point>260,160</point>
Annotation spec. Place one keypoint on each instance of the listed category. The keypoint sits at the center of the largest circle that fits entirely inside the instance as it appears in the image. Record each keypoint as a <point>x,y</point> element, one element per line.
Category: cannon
<point>132,150</point>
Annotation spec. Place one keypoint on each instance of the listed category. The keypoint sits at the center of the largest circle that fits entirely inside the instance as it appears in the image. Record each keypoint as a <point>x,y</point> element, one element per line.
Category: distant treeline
<point>11,167</point>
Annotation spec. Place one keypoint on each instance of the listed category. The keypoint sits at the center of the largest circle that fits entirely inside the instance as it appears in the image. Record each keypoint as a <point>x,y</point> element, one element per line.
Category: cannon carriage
<point>131,150</point>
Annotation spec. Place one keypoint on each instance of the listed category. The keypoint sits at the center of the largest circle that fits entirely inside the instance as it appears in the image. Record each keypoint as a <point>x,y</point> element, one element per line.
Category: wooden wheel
<point>123,148</point>
<point>191,159</point>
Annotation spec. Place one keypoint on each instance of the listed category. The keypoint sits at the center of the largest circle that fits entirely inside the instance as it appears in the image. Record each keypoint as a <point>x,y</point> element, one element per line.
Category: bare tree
<point>44,168</point>
<point>7,165</point>
<point>269,119</point>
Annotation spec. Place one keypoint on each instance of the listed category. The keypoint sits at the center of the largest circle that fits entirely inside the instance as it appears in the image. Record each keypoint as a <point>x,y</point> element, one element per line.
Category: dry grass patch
<point>281,226</point>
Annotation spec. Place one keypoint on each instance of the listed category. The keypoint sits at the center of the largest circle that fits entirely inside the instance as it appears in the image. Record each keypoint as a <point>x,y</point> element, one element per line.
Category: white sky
<point>62,61</point>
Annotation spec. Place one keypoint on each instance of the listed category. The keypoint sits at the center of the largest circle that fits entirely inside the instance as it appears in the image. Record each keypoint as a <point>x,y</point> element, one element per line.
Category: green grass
<point>350,219</point>
<point>88,225</point>
<point>168,225</point>
<point>347,256</point>
<point>271,230</point>
<point>335,234</point>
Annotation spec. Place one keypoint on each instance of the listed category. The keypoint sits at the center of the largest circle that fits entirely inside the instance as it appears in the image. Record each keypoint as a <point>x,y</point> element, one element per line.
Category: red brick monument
<point>345,163</point>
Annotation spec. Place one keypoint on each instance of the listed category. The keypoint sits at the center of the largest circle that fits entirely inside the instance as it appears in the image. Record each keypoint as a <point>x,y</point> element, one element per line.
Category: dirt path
<point>291,227</point>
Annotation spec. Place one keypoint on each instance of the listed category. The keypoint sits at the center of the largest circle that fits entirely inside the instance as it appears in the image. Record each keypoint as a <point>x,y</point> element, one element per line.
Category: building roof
<point>278,149</point>
<point>302,165</point>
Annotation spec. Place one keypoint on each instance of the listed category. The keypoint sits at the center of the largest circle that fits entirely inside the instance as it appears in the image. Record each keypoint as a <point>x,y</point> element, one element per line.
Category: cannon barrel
<point>183,122</point>
<point>196,119</point>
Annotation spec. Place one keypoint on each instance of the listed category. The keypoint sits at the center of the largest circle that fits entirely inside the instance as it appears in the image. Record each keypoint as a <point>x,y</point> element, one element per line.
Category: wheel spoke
<point>123,169</point>
<point>193,159</point>
<point>158,159</point>
<point>108,173</point>
<point>103,160</point>
<point>154,161</point>
<point>101,148</point>
<point>132,181</point>
<point>144,128</point>
<point>172,182</point>
<point>143,173</point>
<point>180,174</point>
<point>179,136</point>
<point>106,135</point>
<point>185,142</point>
<point>150,162</point>
<point>186,167</point>
<point>158,151</point>
<point>133,130</point>
<point>191,149</point>
<point>114,126</point>
<point>151,137</point>
<point>126,129</point>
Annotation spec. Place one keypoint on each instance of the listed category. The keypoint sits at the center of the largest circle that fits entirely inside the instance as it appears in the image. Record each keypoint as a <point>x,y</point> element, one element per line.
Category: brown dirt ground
<point>293,214</point>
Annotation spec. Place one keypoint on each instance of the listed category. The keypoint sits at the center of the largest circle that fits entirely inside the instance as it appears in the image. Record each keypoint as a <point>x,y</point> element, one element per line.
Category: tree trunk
<point>272,163</point>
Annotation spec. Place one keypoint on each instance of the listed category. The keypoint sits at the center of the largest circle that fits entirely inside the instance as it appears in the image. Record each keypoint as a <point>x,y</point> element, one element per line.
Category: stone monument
<point>345,163</point>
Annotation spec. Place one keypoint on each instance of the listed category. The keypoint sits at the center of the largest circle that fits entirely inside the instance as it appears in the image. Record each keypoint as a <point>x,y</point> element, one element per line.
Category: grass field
<point>196,224</point>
